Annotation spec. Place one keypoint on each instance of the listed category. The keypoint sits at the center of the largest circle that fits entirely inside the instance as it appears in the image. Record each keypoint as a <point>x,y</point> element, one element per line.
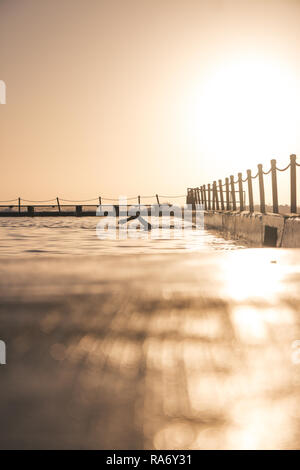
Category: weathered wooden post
<point>274,186</point>
<point>250,191</point>
<point>204,197</point>
<point>100,201</point>
<point>213,197</point>
<point>139,200</point>
<point>293,185</point>
<point>208,196</point>
<point>19,204</point>
<point>241,195</point>
<point>217,206</point>
<point>201,193</point>
<point>221,195</point>
<point>198,194</point>
<point>58,205</point>
<point>157,199</point>
<point>233,192</point>
<point>261,189</point>
<point>194,199</point>
<point>227,194</point>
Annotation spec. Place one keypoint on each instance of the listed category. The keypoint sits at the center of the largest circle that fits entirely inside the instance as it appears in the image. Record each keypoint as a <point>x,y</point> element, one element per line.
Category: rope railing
<point>99,199</point>
<point>213,197</point>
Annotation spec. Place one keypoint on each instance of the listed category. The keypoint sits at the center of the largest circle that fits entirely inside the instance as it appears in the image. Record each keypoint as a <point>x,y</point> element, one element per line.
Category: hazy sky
<point>125,97</point>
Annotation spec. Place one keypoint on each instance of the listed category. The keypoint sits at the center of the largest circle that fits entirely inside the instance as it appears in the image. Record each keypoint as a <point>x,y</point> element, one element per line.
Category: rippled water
<point>196,346</point>
<point>77,236</point>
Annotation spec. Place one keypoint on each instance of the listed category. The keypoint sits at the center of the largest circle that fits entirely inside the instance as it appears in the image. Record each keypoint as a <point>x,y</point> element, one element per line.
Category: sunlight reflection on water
<point>189,348</point>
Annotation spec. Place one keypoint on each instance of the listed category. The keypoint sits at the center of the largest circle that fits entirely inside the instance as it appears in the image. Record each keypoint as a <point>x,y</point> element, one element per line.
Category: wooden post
<point>19,203</point>
<point>232,192</point>
<point>100,201</point>
<point>139,200</point>
<point>58,204</point>
<point>250,191</point>
<point>198,193</point>
<point>204,197</point>
<point>208,196</point>
<point>188,195</point>
<point>241,195</point>
<point>261,189</point>
<point>293,185</point>
<point>274,187</point>
<point>213,197</point>
<point>157,199</point>
<point>217,206</point>
<point>201,194</point>
<point>194,198</point>
<point>221,195</point>
<point>227,194</point>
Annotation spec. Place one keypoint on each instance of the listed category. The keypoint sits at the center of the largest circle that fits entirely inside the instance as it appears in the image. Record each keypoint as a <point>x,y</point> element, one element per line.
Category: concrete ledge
<point>256,228</point>
<point>291,233</point>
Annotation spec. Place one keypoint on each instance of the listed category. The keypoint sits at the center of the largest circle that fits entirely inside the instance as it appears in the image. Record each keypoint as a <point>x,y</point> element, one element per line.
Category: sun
<point>246,111</point>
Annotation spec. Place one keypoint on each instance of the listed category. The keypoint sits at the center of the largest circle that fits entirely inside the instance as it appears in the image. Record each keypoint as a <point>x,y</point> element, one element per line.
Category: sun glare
<point>245,110</point>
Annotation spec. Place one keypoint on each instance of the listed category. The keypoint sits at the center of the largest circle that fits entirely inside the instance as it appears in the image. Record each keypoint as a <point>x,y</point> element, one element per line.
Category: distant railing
<point>63,206</point>
<point>222,196</point>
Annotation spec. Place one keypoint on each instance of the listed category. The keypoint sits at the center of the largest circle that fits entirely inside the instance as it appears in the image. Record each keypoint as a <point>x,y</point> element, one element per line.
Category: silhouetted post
<point>232,192</point>
<point>274,186</point>
<point>30,211</point>
<point>139,200</point>
<point>208,197</point>
<point>100,201</point>
<point>157,199</point>
<point>213,197</point>
<point>204,197</point>
<point>58,204</point>
<point>194,199</point>
<point>240,176</point>
<point>221,195</point>
<point>216,197</point>
<point>227,194</point>
<point>19,203</point>
<point>261,189</point>
<point>250,191</point>
<point>78,211</point>
<point>293,185</point>
<point>201,193</point>
<point>198,192</point>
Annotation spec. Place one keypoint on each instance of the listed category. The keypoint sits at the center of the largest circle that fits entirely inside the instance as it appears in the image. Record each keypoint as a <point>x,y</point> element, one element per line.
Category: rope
<point>246,179</point>
<point>82,200</point>
<point>253,177</point>
<point>48,200</point>
<point>297,164</point>
<point>267,172</point>
<point>283,168</point>
<point>10,200</point>
<point>171,197</point>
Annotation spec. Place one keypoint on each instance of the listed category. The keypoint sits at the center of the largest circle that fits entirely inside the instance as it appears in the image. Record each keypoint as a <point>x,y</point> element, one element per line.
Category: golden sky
<point>126,97</point>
